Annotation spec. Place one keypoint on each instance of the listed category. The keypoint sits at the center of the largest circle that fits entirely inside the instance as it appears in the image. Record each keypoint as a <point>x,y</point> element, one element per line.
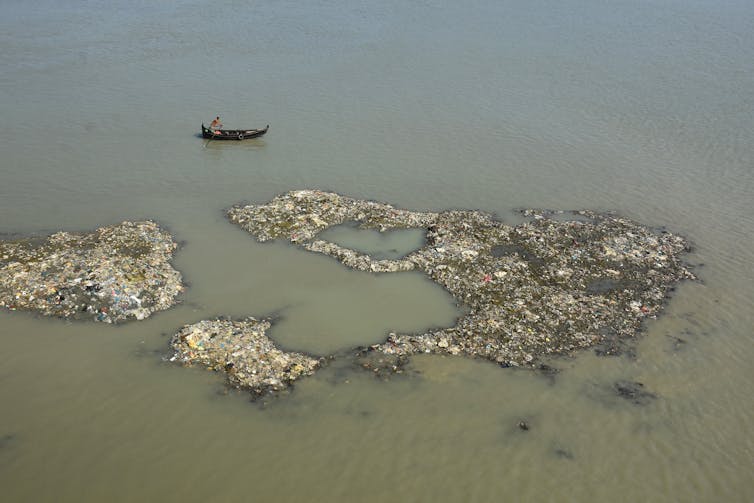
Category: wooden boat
<point>233,134</point>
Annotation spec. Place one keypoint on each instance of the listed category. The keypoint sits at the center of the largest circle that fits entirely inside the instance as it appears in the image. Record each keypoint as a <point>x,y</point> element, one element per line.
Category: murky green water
<point>645,108</point>
<point>393,244</point>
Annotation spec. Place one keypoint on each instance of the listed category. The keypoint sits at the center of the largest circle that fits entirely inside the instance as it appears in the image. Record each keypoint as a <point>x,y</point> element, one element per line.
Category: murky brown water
<point>646,109</point>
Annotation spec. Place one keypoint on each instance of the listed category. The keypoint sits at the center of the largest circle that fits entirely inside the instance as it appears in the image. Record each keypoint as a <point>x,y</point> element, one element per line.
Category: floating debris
<point>243,352</point>
<point>547,286</point>
<point>113,274</point>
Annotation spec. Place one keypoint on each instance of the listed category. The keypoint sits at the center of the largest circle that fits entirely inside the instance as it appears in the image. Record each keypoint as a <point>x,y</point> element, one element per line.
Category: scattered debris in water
<point>113,274</point>
<point>242,350</point>
<point>548,286</point>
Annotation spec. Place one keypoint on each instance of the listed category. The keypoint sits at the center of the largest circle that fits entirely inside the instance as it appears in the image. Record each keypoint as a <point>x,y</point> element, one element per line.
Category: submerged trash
<point>634,392</point>
<point>381,365</point>
<point>113,274</point>
<point>547,286</point>
<point>563,453</point>
<point>242,350</point>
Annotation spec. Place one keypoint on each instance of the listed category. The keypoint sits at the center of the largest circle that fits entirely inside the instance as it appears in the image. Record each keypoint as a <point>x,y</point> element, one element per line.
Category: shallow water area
<point>320,325</point>
<point>317,306</point>
<point>391,244</point>
<point>645,109</point>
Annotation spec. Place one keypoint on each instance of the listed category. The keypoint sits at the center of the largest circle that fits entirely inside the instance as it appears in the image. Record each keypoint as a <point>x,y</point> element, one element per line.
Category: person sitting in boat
<point>216,125</point>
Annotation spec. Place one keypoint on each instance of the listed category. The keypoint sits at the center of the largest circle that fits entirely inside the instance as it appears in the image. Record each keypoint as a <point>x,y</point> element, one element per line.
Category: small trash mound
<point>243,352</point>
<point>116,273</point>
<point>551,285</point>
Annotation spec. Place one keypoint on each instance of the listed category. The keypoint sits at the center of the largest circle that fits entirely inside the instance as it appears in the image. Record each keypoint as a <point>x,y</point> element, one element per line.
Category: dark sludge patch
<point>602,286</point>
<point>7,441</point>
<point>676,343</point>
<point>612,344</point>
<point>339,370</point>
<point>547,372</point>
<point>515,249</point>
<point>562,453</point>
<point>382,365</point>
<point>356,412</point>
<point>634,392</point>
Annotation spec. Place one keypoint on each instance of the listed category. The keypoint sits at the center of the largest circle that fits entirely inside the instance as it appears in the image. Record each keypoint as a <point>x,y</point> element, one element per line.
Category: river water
<point>644,108</point>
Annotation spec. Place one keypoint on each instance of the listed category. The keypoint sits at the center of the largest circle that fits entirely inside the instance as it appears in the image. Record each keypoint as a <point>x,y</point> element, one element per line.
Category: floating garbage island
<point>113,274</point>
<point>243,351</point>
<point>557,283</point>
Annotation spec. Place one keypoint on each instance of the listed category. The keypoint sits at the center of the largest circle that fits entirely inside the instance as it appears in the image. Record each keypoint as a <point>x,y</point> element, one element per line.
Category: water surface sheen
<point>644,108</point>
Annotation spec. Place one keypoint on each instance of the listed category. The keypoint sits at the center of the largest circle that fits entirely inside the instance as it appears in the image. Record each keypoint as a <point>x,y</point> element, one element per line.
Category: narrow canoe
<point>233,134</point>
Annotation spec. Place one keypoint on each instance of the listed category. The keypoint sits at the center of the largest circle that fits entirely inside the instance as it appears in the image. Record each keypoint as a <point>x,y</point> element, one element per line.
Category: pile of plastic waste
<point>548,286</point>
<point>113,274</point>
<point>243,351</point>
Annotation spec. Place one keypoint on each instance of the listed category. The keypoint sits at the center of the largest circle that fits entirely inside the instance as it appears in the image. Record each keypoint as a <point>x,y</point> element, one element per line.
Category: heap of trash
<point>561,281</point>
<point>113,274</point>
<point>557,283</point>
<point>242,350</point>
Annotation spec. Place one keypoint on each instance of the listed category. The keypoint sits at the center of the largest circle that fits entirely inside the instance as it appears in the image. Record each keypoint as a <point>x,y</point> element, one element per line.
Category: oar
<point>210,138</point>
